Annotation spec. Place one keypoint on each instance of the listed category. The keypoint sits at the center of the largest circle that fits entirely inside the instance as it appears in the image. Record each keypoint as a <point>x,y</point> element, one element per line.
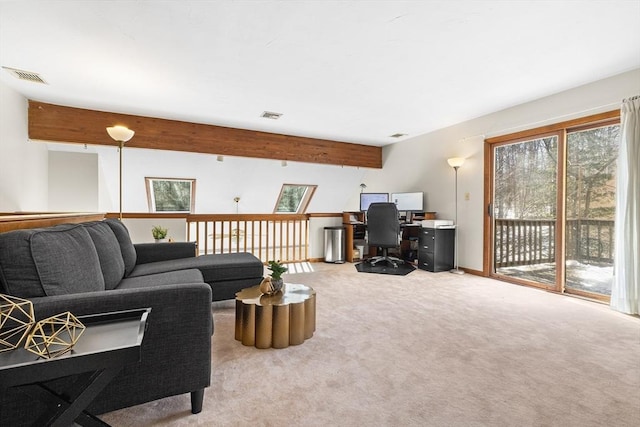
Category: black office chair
<point>383,230</point>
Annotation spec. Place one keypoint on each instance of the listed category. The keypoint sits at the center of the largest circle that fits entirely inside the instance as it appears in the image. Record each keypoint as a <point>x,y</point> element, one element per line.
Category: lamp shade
<point>455,162</point>
<point>120,133</point>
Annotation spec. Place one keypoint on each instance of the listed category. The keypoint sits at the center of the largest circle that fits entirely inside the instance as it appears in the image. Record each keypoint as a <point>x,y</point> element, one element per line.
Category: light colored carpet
<point>422,350</point>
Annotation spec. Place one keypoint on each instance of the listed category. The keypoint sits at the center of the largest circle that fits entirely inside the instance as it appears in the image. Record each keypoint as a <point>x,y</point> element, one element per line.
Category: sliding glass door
<point>590,204</point>
<point>552,207</point>
<point>524,210</point>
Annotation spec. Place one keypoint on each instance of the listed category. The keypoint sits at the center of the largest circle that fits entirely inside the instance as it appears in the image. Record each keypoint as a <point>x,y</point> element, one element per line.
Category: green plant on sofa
<point>159,232</point>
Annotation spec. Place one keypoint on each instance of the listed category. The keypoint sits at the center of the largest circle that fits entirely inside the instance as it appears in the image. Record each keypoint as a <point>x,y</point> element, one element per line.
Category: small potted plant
<point>159,233</point>
<point>276,274</point>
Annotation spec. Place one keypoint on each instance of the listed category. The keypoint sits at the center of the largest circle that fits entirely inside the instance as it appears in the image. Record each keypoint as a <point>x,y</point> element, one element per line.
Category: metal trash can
<point>334,244</point>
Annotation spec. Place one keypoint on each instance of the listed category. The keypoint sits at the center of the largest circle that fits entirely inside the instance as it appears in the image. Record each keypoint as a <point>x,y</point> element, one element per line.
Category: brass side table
<point>286,318</point>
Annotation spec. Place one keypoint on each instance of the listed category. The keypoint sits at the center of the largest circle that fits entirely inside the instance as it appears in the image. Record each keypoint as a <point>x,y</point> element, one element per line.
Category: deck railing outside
<point>283,237</point>
<point>524,242</point>
<point>591,240</point>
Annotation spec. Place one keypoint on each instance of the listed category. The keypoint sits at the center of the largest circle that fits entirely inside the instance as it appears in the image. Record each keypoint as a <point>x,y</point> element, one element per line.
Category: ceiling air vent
<point>397,135</point>
<point>271,115</point>
<point>25,75</point>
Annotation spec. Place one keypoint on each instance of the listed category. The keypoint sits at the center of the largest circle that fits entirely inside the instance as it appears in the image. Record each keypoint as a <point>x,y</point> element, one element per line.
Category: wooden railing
<point>523,242</point>
<point>19,221</point>
<point>591,240</point>
<point>283,237</point>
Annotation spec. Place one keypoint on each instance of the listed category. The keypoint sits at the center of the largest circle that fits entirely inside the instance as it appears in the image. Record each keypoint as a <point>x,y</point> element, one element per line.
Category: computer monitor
<point>410,202</point>
<point>367,198</point>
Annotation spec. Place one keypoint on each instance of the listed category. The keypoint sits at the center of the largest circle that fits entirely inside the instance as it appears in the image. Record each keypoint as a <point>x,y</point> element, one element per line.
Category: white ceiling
<point>354,71</point>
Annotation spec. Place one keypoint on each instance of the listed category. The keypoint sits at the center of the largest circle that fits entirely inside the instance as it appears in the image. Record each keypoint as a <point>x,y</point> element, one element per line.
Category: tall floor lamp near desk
<point>455,163</point>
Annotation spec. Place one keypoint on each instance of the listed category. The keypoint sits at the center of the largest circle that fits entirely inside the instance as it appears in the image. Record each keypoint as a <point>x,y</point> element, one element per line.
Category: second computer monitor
<point>409,202</point>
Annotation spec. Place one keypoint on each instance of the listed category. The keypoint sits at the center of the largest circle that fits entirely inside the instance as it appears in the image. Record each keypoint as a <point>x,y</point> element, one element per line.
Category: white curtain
<point>625,291</point>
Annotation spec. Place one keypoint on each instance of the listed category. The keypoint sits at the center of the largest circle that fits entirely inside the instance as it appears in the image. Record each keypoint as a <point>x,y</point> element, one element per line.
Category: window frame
<point>151,198</point>
<point>303,204</point>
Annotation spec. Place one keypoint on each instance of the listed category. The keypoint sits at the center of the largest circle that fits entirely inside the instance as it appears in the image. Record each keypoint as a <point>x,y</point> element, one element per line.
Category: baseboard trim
<point>472,271</point>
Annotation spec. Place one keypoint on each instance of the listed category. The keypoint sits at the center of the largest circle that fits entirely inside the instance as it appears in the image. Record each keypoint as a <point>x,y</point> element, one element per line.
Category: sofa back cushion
<point>18,274</point>
<point>67,261</point>
<point>49,261</point>
<point>126,246</point>
<point>109,254</point>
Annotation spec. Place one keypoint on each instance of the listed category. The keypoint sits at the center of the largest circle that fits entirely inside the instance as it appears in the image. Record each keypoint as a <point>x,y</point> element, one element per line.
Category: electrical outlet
<point>467,196</point>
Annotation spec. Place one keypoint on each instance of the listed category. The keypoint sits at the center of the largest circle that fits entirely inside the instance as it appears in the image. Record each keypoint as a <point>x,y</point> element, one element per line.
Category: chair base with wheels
<point>387,258</point>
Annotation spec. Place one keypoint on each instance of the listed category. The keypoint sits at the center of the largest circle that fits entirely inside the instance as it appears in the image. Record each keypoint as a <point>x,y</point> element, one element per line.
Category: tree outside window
<point>170,194</point>
<point>294,198</point>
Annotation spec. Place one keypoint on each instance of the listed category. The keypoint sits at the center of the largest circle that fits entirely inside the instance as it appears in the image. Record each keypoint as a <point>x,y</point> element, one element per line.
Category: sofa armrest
<point>181,303</point>
<point>153,252</point>
<point>176,345</point>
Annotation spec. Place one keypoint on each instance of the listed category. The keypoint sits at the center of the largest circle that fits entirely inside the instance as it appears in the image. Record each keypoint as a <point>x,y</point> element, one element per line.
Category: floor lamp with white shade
<point>120,134</point>
<point>455,163</point>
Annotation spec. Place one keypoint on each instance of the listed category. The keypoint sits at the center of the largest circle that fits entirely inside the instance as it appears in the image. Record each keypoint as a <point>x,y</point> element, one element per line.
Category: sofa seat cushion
<point>227,289</point>
<point>214,268</point>
<point>162,279</point>
<point>109,253</point>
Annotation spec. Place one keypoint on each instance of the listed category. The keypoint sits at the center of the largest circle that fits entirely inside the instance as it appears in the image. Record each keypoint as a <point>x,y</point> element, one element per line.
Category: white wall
<point>73,182</point>
<point>23,165</point>
<point>420,163</point>
<point>140,229</point>
<point>256,181</point>
<point>316,234</point>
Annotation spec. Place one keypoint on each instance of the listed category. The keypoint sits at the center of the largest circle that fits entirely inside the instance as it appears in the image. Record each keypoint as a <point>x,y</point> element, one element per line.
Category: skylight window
<point>294,198</point>
<point>171,194</point>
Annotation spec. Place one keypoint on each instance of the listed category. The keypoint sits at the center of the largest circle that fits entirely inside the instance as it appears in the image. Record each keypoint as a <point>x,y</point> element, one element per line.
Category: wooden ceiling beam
<point>49,122</point>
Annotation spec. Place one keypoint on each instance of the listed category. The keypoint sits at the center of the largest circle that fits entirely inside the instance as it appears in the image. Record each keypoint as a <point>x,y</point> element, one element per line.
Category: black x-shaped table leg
<point>64,409</point>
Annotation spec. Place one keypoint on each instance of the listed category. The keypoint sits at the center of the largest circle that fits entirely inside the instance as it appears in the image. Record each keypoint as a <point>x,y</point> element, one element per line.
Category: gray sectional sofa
<point>93,267</point>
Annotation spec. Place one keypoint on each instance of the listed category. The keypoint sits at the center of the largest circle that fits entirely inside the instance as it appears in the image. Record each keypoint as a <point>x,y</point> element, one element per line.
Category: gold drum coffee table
<point>286,318</point>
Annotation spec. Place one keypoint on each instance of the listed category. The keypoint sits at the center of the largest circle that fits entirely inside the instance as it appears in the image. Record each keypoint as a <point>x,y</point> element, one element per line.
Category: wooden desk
<point>354,227</point>
<point>409,242</point>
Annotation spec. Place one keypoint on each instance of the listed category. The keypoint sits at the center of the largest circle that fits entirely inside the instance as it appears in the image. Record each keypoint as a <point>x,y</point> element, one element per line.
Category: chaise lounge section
<point>227,274</point>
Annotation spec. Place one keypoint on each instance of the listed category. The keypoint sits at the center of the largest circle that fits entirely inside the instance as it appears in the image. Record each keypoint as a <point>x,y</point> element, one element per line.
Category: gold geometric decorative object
<point>55,335</point>
<point>16,319</point>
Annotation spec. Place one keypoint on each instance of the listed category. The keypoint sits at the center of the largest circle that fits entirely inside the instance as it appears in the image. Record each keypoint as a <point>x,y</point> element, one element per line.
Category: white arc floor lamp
<point>120,134</point>
<point>455,163</point>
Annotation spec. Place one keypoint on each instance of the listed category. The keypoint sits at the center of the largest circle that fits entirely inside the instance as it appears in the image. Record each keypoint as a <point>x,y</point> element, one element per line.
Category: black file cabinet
<point>436,250</point>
